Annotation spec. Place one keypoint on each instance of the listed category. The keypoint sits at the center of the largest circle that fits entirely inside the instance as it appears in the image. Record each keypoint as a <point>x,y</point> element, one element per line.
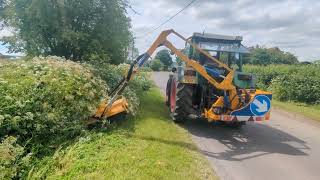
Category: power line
<point>172,17</point>
<point>134,11</point>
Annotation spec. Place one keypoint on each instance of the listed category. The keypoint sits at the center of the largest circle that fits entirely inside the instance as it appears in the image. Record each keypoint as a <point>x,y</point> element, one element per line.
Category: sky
<point>292,25</point>
<point>5,32</point>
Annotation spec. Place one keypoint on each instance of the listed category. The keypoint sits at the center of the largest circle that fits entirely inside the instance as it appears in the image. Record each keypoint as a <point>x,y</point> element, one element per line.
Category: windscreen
<point>225,47</point>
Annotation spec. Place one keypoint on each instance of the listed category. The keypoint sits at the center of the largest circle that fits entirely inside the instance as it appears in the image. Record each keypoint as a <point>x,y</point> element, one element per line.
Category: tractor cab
<point>227,49</point>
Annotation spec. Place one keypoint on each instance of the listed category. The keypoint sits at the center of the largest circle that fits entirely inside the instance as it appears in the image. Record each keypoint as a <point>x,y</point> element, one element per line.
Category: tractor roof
<point>217,37</point>
<point>223,43</point>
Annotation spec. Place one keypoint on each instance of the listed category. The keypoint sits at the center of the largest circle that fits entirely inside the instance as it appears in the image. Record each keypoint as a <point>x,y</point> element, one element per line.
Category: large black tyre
<point>168,91</point>
<point>183,102</point>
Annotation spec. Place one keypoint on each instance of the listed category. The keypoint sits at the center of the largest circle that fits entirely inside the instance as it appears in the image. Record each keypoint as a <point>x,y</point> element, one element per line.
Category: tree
<point>156,65</point>
<point>2,12</point>
<point>2,4</point>
<point>265,56</point>
<point>260,56</point>
<point>76,29</point>
<point>133,53</point>
<point>165,58</point>
<point>179,61</point>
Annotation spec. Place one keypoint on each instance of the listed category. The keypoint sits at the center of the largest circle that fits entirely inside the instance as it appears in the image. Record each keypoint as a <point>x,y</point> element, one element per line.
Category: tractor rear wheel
<point>180,101</point>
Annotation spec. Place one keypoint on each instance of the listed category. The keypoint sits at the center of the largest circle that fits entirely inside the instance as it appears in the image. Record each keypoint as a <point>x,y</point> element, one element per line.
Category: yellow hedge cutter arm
<point>117,104</point>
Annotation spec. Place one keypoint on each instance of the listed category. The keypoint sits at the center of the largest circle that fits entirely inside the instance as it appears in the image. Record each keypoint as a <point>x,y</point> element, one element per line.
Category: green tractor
<point>191,95</point>
<point>209,83</point>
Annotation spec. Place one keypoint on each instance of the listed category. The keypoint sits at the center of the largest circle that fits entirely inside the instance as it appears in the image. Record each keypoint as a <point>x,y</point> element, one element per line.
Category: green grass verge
<point>148,147</point>
<point>310,111</point>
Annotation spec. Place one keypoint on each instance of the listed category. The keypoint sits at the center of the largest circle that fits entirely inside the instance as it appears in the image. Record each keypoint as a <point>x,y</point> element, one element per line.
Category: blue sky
<point>2,49</point>
<point>4,32</point>
<point>292,25</point>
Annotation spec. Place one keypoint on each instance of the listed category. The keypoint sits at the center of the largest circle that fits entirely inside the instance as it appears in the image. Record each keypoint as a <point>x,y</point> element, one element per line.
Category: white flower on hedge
<point>69,97</point>
<point>29,116</point>
<point>2,81</point>
<point>8,98</point>
<point>88,86</point>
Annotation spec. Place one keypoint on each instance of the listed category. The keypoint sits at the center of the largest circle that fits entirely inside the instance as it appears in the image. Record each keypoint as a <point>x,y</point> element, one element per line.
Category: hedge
<point>299,83</point>
<point>46,97</point>
<point>44,102</point>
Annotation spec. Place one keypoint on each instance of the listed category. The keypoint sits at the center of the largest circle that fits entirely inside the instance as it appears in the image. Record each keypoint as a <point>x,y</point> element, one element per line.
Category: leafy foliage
<point>46,98</point>
<point>156,65</point>
<point>300,83</point>
<point>44,102</point>
<point>297,87</point>
<point>95,30</point>
<point>266,56</point>
<point>165,58</point>
<point>10,153</point>
<point>317,62</point>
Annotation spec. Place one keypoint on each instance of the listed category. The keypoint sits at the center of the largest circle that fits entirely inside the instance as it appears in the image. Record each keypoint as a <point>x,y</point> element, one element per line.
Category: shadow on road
<point>252,140</point>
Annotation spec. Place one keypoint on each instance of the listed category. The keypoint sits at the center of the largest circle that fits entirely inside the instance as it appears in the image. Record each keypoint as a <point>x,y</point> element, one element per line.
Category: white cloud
<point>5,32</point>
<point>292,25</point>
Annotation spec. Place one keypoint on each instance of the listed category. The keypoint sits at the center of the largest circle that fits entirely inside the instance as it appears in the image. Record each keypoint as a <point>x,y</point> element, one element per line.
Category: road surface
<point>287,147</point>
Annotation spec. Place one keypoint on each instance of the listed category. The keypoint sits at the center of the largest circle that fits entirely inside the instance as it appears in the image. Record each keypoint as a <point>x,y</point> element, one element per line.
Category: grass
<point>147,147</point>
<point>310,111</point>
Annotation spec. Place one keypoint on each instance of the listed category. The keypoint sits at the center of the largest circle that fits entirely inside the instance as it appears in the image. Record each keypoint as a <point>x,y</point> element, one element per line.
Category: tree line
<point>264,56</point>
<point>80,30</point>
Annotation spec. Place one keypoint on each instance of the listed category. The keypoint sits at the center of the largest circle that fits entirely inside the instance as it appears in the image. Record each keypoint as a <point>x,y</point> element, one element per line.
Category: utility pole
<point>132,49</point>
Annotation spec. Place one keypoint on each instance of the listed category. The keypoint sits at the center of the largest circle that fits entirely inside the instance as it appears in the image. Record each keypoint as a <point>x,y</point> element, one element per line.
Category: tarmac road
<point>287,147</point>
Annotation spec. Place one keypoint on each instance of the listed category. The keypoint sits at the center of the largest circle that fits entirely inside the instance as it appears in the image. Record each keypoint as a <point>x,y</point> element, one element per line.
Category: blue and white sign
<point>260,105</point>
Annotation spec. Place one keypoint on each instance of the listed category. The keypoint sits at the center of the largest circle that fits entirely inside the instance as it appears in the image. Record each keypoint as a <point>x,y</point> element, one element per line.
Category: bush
<point>296,87</point>
<point>156,65</point>
<point>300,83</point>
<point>46,98</point>
<point>265,74</point>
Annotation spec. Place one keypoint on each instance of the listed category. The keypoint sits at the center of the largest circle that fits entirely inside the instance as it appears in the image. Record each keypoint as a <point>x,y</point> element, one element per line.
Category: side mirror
<point>174,69</point>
